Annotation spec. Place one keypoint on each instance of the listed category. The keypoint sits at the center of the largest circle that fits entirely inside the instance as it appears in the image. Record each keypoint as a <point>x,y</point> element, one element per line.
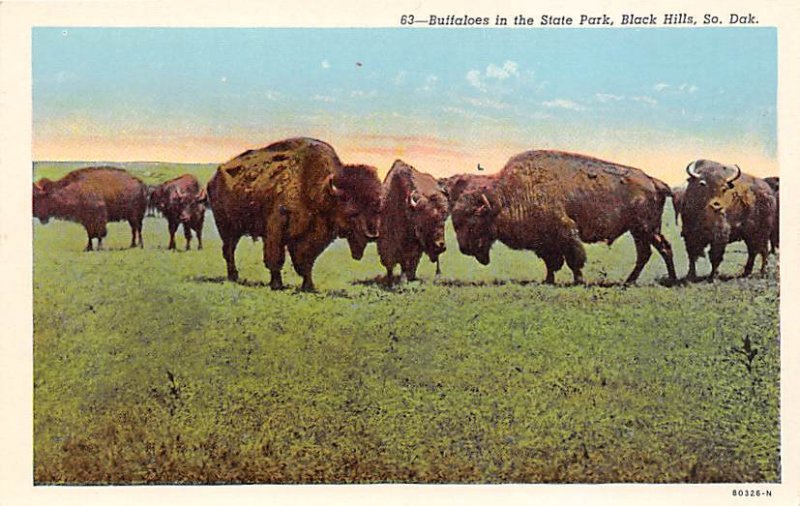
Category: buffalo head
<point>42,200</point>
<point>357,191</point>
<point>474,217</point>
<point>710,185</point>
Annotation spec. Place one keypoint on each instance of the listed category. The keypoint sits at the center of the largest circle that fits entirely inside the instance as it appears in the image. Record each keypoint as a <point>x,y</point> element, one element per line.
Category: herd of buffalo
<point>296,195</point>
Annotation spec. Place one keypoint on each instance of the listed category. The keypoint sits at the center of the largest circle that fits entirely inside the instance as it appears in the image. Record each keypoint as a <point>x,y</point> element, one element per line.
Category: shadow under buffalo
<point>219,280</point>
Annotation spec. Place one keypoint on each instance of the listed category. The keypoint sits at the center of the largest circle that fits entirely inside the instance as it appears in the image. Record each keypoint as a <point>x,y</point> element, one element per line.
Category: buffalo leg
<point>229,253</point>
<point>173,227</point>
<point>715,255</point>
<point>389,274</point>
<point>575,256</point>
<point>664,248</point>
<point>136,232</point>
<point>199,233</point>
<point>139,232</point>
<point>274,257</point>
<point>409,264</point>
<point>693,251</point>
<point>304,254</point>
<point>553,262</point>
<point>187,233</point>
<point>89,245</point>
<point>643,253</point>
<point>764,259</point>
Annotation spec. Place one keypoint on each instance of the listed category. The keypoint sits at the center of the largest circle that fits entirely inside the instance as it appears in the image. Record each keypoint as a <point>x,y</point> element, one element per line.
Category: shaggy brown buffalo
<point>774,238</point>
<point>182,202</point>
<point>723,205</point>
<point>93,196</point>
<point>295,195</point>
<point>413,211</point>
<point>550,201</point>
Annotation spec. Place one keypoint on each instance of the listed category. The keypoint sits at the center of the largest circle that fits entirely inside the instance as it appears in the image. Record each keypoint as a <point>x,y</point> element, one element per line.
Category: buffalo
<point>774,239</point>
<point>723,205</point>
<point>93,196</point>
<point>413,212</point>
<point>550,201</point>
<point>297,195</point>
<point>182,202</point>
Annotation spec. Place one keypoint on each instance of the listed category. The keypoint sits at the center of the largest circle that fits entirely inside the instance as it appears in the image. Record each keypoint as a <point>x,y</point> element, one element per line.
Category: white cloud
<point>645,100</point>
<point>323,98</point>
<point>508,69</point>
<point>493,73</point>
<point>400,78</point>
<point>682,88</point>
<point>562,103</point>
<point>430,83</point>
<point>486,102</point>
<point>326,64</point>
<point>474,78</point>
<point>607,97</point>
<point>468,114</point>
<point>363,94</point>
<point>271,95</point>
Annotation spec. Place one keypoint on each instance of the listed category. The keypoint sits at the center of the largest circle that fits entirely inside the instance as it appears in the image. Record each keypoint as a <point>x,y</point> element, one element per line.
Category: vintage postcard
<point>504,251</point>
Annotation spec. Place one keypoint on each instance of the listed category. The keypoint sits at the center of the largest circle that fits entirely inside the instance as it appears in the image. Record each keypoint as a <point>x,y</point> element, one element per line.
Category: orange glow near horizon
<point>440,157</point>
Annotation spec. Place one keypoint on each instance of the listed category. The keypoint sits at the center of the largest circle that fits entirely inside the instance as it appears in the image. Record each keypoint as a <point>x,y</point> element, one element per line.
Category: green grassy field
<point>150,368</point>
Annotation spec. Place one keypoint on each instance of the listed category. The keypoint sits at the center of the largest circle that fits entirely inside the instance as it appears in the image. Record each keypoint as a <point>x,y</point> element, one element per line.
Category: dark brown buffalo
<point>295,195</point>
<point>413,211</point>
<point>774,238</point>
<point>677,201</point>
<point>550,201</point>
<point>182,202</point>
<point>93,196</point>
<point>723,205</point>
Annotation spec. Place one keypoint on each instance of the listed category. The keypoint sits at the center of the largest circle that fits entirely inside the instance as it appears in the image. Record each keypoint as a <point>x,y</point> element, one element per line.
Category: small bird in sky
<point>359,64</point>
<point>479,167</point>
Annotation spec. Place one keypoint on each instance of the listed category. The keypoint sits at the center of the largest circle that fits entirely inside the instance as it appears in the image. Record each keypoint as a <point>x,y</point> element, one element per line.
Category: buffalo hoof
<point>308,288</point>
<point>233,276</point>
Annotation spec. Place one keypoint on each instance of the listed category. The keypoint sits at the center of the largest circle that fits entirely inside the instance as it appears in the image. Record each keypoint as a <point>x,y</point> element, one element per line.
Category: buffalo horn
<point>690,170</point>
<point>737,176</point>
<point>486,201</point>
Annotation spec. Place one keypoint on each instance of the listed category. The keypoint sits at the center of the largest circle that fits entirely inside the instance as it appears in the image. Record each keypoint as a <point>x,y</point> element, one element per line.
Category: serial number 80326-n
<point>742,492</point>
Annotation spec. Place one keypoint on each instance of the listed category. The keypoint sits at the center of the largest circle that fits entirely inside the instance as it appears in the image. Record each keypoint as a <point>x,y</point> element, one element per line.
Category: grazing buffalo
<point>723,205</point>
<point>677,200</point>
<point>182,201</point>
<point>295,195</point>
<point>550,201</point>
<point>93,196</point>
<point>413,211</point>
<point>774,239</point>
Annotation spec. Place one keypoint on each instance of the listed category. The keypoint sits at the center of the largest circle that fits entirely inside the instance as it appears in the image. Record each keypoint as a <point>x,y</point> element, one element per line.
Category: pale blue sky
<point>599,91</point>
